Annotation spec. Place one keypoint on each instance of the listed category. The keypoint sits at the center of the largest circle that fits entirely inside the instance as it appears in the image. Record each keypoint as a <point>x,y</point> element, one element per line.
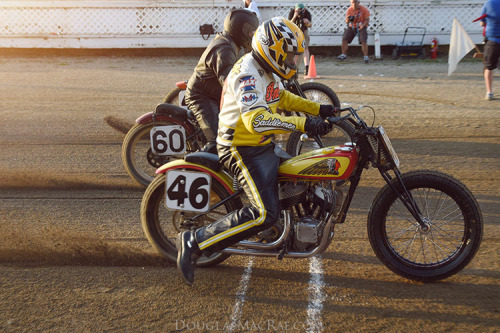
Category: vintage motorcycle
<point>156,137</point>
<point>423,225</point>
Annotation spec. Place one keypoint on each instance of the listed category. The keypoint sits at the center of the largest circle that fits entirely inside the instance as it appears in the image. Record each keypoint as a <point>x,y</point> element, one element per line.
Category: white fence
<point>175,24</point>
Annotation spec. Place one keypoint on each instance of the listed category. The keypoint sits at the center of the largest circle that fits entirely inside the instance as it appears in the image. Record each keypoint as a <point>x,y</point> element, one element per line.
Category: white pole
<point>377,46</point>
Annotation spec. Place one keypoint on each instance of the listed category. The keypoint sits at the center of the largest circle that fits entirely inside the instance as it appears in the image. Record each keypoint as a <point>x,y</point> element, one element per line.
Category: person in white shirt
<point>252,5</point>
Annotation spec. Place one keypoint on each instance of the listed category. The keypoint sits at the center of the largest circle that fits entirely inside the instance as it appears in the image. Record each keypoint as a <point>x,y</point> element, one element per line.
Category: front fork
<point>405,196</point>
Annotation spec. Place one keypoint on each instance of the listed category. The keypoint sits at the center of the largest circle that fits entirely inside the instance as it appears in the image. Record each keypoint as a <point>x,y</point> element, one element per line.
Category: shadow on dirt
<point>118,124</point>
<point>51,246</point>
<point>46,180</point>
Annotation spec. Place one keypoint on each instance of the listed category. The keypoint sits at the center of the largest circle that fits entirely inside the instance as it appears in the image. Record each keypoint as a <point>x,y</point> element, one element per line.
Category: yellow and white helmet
<point>276,44</point>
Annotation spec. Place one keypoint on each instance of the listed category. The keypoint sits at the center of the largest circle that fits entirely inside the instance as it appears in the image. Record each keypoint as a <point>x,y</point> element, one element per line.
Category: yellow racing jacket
<point>248,108</point>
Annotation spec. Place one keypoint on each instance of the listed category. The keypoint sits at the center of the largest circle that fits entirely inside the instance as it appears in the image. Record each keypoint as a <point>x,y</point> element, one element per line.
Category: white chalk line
<point>314,321</point>
<point>240,296</point>
<point>316,297</point>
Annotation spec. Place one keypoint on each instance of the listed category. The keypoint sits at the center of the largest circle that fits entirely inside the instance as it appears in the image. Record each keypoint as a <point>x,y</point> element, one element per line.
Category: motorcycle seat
<point>207,159</point>
<point>172,110</point>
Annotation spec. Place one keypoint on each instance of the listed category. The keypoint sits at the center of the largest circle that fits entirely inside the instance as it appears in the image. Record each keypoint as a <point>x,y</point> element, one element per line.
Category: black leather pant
<point>256,169</point>
<point>206,110</point>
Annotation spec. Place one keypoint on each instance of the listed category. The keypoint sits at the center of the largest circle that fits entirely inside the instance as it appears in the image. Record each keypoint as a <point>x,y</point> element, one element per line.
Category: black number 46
<point>188,191</point>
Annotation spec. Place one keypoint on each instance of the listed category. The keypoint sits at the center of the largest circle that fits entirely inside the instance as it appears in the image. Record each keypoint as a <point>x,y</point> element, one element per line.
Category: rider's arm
<point>257,100</point>
<point>292,102</point>
<point>222,61</point>
<point>264,121</point>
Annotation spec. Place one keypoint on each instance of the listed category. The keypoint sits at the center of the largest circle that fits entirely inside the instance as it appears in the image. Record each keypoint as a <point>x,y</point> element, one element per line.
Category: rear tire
<point>161,225</point>
<point>340,134</point>
<point>452,215</point>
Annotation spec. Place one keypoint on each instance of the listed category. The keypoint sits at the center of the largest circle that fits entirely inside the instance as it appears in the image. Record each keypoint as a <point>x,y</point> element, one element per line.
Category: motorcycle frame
<point>367,155</point>
<point>251,248</point>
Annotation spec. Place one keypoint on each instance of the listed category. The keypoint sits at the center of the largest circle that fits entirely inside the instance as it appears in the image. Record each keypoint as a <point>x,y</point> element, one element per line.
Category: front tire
<point>161,225</point>
<point>454,222</point>
<point>173,96</point>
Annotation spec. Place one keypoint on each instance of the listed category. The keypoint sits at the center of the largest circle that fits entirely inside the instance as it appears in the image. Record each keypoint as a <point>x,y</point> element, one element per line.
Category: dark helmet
<point>239,23</point>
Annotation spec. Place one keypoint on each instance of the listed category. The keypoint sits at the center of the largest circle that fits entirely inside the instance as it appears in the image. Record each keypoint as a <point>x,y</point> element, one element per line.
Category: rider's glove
<point>326,111</point>
<point>316,126</point>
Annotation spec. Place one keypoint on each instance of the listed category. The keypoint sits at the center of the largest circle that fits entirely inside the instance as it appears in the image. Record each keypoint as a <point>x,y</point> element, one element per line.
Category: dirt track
<point>73,256</point>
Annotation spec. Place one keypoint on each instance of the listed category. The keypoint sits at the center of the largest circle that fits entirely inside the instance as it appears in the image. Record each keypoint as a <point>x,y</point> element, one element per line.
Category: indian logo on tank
<point>324,167</point>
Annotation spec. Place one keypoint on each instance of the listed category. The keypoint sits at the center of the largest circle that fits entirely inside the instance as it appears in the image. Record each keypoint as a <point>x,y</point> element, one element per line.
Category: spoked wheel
<point>138,159</point>
<point>450,238</point>
<point>161,225</point>
<point>340,134</point>
<point>320,93</point>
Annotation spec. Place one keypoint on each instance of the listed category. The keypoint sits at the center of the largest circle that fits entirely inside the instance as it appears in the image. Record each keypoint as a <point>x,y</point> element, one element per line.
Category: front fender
<point>219,176</point>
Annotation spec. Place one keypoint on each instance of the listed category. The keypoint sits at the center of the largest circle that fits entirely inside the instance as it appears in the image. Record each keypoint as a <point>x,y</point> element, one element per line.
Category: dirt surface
<point>73,256</point>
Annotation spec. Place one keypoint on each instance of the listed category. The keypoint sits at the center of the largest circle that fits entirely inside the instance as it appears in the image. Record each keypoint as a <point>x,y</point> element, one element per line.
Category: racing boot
<point>188,253</point>
<point>210,147</point>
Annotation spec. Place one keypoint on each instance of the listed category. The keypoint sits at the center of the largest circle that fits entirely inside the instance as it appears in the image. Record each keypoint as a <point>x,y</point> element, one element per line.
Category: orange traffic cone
<point>312,70</point>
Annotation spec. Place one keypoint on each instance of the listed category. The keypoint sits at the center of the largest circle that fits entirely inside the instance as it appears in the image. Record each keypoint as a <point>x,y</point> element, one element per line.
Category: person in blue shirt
<point>492,47</point>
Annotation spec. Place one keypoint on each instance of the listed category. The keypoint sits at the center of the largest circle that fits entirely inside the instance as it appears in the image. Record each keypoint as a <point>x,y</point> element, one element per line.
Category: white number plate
<point>389,146</point>
<point>168,140</point>
<point>188,191</point>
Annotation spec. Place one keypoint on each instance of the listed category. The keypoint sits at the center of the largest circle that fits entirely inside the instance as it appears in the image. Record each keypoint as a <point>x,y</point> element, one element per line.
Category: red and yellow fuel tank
<point>336,162</point>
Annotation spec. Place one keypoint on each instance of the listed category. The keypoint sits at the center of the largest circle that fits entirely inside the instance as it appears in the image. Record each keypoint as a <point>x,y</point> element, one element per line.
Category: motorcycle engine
<point>306,233</point>
<point>310,204</point>
<point>292,194</point>
<point>309,228</point>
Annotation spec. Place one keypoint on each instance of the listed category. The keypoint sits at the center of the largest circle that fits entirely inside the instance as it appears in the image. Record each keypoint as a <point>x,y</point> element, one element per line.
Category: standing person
<point>357,18</point>
<point>492,47</point>
<point>302,18</point>
<point>252,5</point>
<point>248,120</point>
<point>204,88</point>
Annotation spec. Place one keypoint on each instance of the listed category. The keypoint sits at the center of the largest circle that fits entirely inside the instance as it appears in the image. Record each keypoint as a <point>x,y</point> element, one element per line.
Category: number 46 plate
<point>188,191</point>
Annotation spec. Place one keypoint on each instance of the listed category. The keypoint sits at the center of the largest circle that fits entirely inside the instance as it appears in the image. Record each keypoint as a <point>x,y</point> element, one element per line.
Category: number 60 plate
<point>168,140</point>
<point>188,191</point>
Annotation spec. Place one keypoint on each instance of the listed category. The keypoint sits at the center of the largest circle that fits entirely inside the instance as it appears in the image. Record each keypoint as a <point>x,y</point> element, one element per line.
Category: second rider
<point>204,88</point>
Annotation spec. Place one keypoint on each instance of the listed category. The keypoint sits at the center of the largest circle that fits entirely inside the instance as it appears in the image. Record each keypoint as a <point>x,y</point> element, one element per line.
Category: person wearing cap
<point>302,18</point>
<point>357,18</point>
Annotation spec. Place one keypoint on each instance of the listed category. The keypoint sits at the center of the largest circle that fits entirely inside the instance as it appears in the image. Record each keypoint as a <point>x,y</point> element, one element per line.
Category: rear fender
<point>219,176</point>
<point>170,113</point>
<point>181,85</point>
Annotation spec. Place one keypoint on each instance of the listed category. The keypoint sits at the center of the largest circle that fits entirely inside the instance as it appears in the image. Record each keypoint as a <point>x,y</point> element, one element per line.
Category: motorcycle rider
<point>247,122</point>
<point>204,88</point>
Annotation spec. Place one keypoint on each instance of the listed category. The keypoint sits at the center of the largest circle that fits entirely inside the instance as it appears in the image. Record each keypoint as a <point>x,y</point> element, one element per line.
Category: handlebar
<point>352,112</point>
